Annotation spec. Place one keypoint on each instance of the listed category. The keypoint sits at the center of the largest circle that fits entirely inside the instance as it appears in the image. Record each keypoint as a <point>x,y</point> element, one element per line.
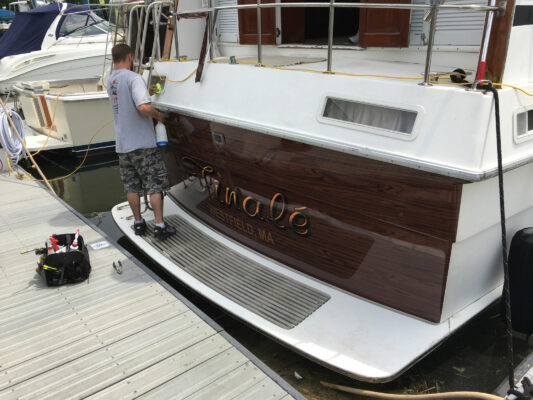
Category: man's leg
<point>135,205</point>
<point>132,186</point>
<point>156,200</point>
<point>154,175</point>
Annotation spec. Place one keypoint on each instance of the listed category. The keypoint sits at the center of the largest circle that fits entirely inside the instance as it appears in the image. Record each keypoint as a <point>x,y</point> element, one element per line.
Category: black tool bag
<point>69,267</point>
<point>521,280</point>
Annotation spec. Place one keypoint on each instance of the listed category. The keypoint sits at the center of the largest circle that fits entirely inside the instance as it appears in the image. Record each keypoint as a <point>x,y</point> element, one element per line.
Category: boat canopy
<point>29,28</point>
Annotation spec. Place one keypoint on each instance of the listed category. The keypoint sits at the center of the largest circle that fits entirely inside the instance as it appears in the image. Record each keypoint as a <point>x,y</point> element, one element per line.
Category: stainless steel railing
<point>151,10</point>
<point>433,7</point>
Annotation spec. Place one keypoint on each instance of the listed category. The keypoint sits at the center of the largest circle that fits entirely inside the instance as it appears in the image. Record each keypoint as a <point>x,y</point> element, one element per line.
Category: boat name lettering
<point>241,225</point>
<point>278,211</point>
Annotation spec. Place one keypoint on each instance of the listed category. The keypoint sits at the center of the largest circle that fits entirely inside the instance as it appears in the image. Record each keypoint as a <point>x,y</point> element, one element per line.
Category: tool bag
<point>68,267</point>
<point>521,281</point>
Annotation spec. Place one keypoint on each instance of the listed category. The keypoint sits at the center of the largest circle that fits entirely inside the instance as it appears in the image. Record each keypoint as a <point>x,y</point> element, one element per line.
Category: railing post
<point>259,34</point>
<point>156,51</point>
<point>145,33</point>
<point>157,36</point>
<point>330,33</point>
<point>130,25</point>
<point>138,40</point>
<point>176,43</point>
<point>432,27</point>
<point>212,13</point>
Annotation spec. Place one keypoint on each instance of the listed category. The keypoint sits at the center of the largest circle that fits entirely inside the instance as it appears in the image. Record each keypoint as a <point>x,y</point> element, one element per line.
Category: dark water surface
<point>472,359</point>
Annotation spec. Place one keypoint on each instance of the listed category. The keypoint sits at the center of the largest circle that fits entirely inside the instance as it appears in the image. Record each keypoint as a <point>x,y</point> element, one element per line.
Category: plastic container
<point>161,138</point>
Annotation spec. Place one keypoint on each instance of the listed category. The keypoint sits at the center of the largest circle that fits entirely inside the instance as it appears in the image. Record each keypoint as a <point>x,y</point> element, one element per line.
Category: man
<point>140,161</point>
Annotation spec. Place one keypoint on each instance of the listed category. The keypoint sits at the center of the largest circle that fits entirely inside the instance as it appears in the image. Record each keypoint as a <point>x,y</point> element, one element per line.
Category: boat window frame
<point>354,126</point>
<point>80,31</point>
<point>528,135</point>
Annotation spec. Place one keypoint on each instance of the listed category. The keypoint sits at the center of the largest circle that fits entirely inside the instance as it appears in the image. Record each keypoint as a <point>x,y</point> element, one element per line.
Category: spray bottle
<point>161,138</point>
<point>74,245</point>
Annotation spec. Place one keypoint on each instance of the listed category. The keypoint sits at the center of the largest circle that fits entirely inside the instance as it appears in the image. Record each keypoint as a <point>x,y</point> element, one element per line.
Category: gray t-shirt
<point>127,90</point>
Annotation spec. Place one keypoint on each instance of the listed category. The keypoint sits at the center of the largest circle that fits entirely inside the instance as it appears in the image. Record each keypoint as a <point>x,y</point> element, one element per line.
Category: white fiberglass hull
<point>67,112</point>
<point>348,333</point>
<point>84,62</point>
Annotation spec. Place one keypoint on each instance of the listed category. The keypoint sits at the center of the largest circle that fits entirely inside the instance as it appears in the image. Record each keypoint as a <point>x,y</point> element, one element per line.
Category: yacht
<point>66,114</point>
<point>56,40</point>
<point>340,197</point>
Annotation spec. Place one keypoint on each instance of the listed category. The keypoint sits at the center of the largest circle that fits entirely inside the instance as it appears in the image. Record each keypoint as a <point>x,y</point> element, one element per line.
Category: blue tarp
<point>28,29</point>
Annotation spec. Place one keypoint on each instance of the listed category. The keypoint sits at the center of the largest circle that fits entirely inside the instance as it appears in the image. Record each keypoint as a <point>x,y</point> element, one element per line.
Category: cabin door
<point>248,24</point>
<point>376,27</point>
<point>384,27</point>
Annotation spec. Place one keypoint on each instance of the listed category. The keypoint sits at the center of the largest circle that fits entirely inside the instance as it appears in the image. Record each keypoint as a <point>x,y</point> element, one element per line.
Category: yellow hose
<point>433,78</point>
<point>432,396</point>
<point>52,123</point>
<point>28,177</point>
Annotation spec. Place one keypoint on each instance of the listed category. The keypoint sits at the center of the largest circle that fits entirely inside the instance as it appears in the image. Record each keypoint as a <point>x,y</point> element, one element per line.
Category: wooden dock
<point>127,335</point>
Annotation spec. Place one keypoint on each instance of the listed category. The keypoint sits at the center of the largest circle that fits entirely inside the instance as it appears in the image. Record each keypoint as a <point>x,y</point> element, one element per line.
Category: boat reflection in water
<point>92,188</point>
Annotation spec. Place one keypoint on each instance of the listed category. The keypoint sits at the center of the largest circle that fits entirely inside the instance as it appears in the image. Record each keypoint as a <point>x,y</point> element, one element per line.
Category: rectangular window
<point>524,122</point>
<point>391,119</point>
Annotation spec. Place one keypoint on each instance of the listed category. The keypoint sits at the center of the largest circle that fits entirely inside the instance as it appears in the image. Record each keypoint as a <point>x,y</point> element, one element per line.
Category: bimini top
<point>29,28</point>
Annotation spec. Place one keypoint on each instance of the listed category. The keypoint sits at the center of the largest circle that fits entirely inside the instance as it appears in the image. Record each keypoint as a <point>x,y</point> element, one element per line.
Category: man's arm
<point>149,111</point>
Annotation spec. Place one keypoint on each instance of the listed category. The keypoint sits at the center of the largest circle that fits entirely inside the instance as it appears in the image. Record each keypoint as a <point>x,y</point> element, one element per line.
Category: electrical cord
<point>29,177</point>
<point>52,123</point>
<point>8,137</point>
<point>434,78</point>
<point>506,287</point>
<point>430,396</point>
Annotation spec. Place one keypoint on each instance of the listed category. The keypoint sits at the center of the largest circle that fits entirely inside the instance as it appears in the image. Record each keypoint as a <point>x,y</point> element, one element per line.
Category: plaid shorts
<point>143,169</point>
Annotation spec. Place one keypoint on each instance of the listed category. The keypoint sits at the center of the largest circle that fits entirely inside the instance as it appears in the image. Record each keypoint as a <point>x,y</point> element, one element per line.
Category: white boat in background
<point>74,112</point>
<point>57,40</point>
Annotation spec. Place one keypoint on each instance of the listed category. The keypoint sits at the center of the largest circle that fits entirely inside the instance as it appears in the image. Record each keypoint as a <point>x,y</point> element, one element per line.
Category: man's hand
<point>154,89</point>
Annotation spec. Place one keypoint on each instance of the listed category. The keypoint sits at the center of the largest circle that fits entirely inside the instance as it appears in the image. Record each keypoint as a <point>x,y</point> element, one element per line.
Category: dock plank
<point>159,373</point>
<point>198,377</point>
<point>123,335</point>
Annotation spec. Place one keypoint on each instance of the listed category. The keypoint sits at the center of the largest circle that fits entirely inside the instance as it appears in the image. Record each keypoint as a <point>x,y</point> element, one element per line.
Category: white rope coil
<point>8,137</point>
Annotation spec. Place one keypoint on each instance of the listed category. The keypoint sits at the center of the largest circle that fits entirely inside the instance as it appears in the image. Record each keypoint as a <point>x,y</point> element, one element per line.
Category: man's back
<point>127,91</point>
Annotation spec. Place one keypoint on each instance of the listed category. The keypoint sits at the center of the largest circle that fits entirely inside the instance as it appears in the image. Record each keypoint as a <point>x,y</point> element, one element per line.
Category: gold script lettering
<point>248,200</point>
<point>299,221</point>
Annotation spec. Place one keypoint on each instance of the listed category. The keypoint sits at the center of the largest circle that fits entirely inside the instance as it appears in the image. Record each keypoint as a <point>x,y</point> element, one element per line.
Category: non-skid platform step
<point>275,297</point>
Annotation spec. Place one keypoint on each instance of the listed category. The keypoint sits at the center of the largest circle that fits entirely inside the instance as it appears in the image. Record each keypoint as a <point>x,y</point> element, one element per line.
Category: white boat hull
<point>348,333</point>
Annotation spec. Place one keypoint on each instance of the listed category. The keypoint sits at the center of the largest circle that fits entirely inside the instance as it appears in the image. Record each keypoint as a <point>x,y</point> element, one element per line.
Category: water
<point>472,359</point>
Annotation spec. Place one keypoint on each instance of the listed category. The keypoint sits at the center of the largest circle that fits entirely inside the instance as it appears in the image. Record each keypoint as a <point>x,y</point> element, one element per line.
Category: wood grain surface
<point>384,27</point>
<point>248,24</point>
<point>498,43</point>
<point>377,230</point>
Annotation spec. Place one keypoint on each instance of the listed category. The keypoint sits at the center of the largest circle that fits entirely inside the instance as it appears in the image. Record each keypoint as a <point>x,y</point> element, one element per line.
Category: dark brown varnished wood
<point>498,43</point>
<point>248,24</point>
<point>292,23</point>
<point>377,230</point>
<point>384,27</point>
